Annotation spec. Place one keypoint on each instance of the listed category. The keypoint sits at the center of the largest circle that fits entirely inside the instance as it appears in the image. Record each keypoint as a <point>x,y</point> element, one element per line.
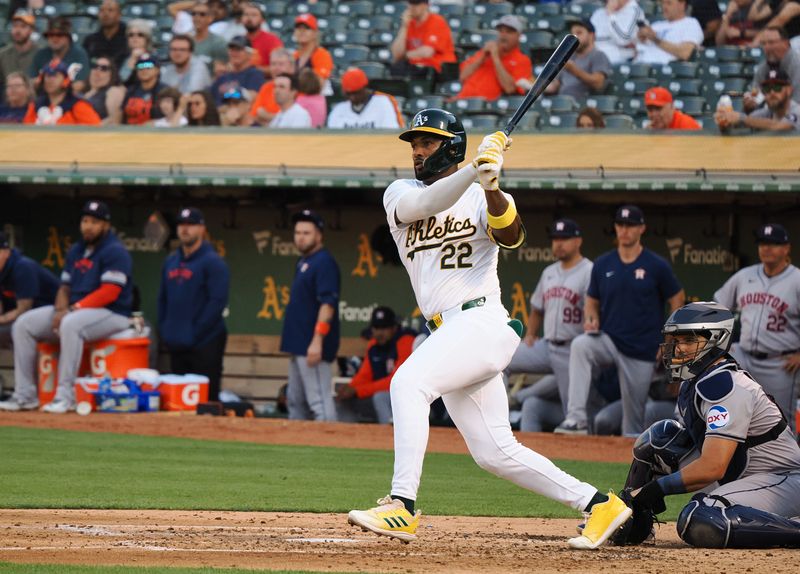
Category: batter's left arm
<point>511,235</point>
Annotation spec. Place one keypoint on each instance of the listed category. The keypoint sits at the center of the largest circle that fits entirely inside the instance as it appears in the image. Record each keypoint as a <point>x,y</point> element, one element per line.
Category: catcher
<point>734,447</point>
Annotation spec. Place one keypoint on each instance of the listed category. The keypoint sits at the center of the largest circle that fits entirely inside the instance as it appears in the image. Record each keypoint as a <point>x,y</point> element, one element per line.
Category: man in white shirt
<point>615,29</point>
<point>184,72</point>
<point>364,108</point>
<point>674,38</point>
<point>292,114</point>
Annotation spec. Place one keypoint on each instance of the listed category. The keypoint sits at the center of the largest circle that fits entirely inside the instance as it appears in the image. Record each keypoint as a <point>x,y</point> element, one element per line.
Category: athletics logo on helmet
<point>445,125</point>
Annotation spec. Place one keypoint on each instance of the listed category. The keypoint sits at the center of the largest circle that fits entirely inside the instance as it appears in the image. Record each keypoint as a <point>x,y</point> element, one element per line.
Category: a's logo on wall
<point>56,247</point>
<point>519,303</point>
<point>365,266</point>
<point>276,297</point>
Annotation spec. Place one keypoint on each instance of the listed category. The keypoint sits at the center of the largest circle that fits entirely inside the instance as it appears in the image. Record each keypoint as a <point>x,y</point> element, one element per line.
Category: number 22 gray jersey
<point>560,295</point>
<point>769,308</point>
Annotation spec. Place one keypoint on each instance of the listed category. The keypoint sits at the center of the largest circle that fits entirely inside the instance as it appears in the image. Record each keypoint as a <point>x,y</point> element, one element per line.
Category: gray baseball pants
<point>77,328</point>
<point>778,493</point>
<point>5,336</point>
<point>589,355</point>
<point>309,393</point>
<point>770,374</point>
<point>544,357</point>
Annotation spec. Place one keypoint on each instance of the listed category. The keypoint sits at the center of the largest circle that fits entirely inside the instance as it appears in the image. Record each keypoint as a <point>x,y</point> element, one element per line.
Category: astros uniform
<point>769,310</point>
<point>452,264</point>
<point>559,295</point>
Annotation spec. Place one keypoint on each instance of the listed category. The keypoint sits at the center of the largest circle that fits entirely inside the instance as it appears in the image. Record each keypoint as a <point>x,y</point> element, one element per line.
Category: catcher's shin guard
<point>735,526</point>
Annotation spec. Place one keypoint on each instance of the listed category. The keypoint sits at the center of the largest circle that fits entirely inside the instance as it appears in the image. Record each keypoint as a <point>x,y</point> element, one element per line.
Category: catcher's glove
<point>638,527</point>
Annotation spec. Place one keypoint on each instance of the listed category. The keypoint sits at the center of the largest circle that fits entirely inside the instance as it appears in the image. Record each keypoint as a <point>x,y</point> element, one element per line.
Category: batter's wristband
<point>503,221</point>
<point>322,328</point>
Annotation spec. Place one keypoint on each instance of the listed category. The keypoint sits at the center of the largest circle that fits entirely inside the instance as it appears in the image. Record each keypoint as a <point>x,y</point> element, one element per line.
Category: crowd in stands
<point>474,58</point>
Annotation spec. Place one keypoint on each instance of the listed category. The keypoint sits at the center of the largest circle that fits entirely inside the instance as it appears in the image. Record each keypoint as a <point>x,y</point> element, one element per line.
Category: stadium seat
<point>447,89</point>
<point>380,38</point>
<point>355,8</point>
<point>605,104</point>
<point>633,106</point>
<point>726,86</point>
<point>752,55</point>
<point>373,70</point>
<point>559,104</point>
<point>394,86</point>
<point>678,70</point>
<point>394,9</point>
<point>685,87</point>
<point>469,105</point>
<point>448,10</point>
<point>60,9</point>
<point>475,39</point>
<point>318,9</point>
<point>467,22</point>
<point>560,121</point>
<point>281,24</point>
<point>721,54</point>
<point>581,10</point>
<point>420,103</point>
<point>619,122</point>
<point>274,8</point>
<point>480,122</point>
<point>634,70</point>
<point>345,55</point>
<point>83,25</point>
<point>530,10</point>
<point>636,86</point>
<point>140,10</point>
<point>337,37</point>
<point>493,11</point>
<point>528,123</point>
<point>724,70</point>
<point>505,104</point>
<point>419,87</point>
<point>692,105</point>
<point>555,23</point>
<point>377,23</point>
<point>332,22</point>
<point>537,39</point>
<point>382,55</point>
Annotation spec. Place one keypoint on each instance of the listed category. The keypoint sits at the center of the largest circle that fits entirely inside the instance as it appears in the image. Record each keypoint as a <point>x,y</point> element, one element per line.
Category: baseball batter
<point>733,444</point>
<point>447,231</point>
<point>558,302</point>
<point>767,296</point>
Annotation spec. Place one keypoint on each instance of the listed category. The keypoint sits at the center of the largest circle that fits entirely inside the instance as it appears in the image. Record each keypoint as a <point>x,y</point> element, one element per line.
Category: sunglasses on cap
<point>234,95</point>
<point>767,88</point>
<point>145,65</point>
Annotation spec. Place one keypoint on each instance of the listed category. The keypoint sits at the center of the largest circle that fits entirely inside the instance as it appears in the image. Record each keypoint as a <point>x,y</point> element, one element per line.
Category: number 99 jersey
<point>450,257</point>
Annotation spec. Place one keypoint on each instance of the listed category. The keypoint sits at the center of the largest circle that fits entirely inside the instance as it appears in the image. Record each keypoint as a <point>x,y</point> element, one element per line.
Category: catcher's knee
<point>703,526</point>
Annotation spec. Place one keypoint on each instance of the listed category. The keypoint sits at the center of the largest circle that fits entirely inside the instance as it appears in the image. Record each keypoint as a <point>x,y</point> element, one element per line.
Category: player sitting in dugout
<point>732,444</point>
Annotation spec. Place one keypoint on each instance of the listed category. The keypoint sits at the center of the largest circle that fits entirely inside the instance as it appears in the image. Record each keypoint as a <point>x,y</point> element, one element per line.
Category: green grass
<point>9,568</point>
<point>67,469</point>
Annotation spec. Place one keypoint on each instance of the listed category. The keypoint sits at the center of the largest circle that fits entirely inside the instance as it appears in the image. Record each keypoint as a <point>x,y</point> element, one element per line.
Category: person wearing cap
<point>778,53</point>
<point>292,115</point>
<point>365,108</point>
<point>110,40</point>
<point>58,105</point>
<point>184,71</point>
<point>24,285</point>
<point>587,71</point>
<point>780,114</point>
<point>235,109</point>
<point>676,37</point>
<point>629,289</point>
<point>264,107</point>
<point>311,323</point>
<point>767,297</point>
<point>60,46</point>
<point>499,67</point>
<point>17,55</point>
<point>192,301</point>
<point>615,25</point>
<point>241,74</point>
<point>139,107</point>
<point>556,304</point>
<point>367,395</point>
<point>261,41</point>
<point>94,301</point>
<point>662,114</point>
<point>423,42</point>
<point>309,53</point>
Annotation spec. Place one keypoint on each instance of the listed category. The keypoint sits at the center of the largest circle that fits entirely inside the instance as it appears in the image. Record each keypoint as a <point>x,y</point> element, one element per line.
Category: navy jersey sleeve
<point>116,267</point>
<point>218,284</point>
<point>327,283</point>
<point>594,284</point>
<point>26,282</point>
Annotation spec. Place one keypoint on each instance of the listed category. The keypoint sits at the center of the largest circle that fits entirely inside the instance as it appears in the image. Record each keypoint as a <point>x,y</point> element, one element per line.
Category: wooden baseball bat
<point>551,69</point>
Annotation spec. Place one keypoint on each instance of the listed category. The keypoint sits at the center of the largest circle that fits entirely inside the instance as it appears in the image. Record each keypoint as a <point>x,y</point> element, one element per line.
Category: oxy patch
<point>717,417</point>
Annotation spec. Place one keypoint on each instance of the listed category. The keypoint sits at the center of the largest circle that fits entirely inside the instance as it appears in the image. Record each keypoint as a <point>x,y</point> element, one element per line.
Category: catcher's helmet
<point>449,128</point>
<point>706,319</point>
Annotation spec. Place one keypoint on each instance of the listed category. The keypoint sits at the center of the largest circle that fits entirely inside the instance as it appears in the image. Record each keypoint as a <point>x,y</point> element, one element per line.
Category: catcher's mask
<point>695,336</point>
<point>446,126</point>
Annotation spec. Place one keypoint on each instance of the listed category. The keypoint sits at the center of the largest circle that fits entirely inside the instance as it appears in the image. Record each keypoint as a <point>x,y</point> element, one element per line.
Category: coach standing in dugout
<point>311,324</point>
<point>93,302</point>
<point>623,315</point>
<point>24,285</point>
<point>191,303</point>
<point>767,296</point>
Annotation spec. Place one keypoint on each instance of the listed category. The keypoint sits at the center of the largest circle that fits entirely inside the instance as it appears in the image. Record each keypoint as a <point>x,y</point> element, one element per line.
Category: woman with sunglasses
<point>140,41</point>
<point>202,110</point>
<point>105,94</point>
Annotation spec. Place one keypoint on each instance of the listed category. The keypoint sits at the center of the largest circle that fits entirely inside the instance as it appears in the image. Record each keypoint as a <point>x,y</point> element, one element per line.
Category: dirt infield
<point>324,542</point>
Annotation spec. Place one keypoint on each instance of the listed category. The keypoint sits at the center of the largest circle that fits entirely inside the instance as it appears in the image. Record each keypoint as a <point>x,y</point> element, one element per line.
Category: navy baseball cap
<point>239,42</point>
<point>98,209</point>
<point>191,215</point>
<point>147,61</point>
<point>582,22</point>
<point>310,216</point>
<point>4,243</point>
<point>629,215</point>
<point>774,233</point>
<point>563,229</point>
<point>383,317</point>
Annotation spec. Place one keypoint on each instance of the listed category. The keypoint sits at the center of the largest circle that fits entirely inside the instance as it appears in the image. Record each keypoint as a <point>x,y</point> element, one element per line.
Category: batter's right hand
<point>498,140</point>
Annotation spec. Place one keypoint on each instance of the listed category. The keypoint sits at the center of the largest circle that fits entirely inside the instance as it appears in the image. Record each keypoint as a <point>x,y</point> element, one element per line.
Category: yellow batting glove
<point>491,155</point>
<point>489,170</point>
<point>497,140</point>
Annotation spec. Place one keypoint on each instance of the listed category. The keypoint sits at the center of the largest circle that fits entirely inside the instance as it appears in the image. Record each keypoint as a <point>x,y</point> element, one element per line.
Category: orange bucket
<point>115,357</point>
<point>47,370</point>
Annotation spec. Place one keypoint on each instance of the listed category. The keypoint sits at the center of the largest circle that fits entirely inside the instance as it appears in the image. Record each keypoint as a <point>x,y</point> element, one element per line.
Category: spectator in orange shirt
<point>424,41</point>
<point>497,68</point>
<point>264,106</point>
<point>309,54</point>
<point>662,112</point>
<point>58,105</point>
<point>368,391</point>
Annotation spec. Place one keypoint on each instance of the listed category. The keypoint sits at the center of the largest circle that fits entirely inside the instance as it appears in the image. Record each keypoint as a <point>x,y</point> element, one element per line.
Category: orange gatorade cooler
<point>182,392</point>
<point>85,387</point>
<point>115,356</point>
<point>48,370</point>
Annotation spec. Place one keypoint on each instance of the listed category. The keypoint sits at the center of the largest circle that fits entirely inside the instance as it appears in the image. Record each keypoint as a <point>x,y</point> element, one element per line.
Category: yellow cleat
<point>389,518</point>
<point>603,521</point>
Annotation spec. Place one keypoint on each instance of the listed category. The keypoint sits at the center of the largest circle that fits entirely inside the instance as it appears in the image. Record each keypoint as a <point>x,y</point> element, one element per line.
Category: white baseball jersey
<point>380,112</point>
<point>769,308</point>
<point>449,257</point>
<point>559,295</point>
